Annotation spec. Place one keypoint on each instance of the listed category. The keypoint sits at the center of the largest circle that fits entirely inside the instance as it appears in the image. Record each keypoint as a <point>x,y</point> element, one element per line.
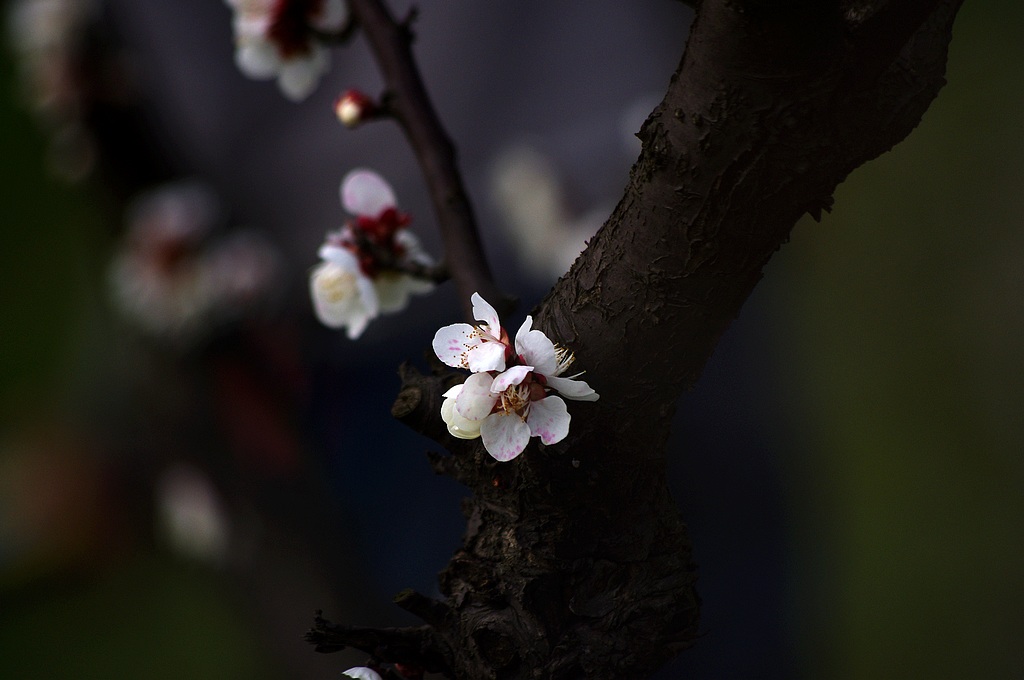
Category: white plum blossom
<point>478,348</point>
<point>278,39</point>
<point>343,297</point>
<point>362,673</point>
<point>362,273</point>
<point>507,406</point>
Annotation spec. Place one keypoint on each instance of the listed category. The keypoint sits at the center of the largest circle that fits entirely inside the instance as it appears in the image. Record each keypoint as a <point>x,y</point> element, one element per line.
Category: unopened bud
<point>354,108</point>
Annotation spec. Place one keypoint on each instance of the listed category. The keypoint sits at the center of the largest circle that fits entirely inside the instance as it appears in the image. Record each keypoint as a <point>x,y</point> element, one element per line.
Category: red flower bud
<point>354,108</point>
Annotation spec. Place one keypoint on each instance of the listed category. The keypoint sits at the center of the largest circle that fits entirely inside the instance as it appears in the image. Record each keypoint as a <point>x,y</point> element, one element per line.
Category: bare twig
<point>410,104</point>
<point>419,646</point>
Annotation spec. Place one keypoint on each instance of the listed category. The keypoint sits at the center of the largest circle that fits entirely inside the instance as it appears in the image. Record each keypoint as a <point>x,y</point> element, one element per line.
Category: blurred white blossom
<point>172,280</point>
<point>47,38</point>
<point>528,191</point>
<point>279,39</point>
<point>191,516</point>
<point>343,296</point>
<point>364,265</point>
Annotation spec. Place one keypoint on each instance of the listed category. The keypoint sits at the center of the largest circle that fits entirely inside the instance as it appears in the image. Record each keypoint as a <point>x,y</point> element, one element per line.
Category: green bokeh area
<point>144,619</point>
<point>44,261</point>
<point>905,312</point>
<point>138,617</point>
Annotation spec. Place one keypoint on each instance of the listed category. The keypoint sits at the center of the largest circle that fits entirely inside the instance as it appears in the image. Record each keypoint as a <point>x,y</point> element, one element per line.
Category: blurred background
<point>191,465</point>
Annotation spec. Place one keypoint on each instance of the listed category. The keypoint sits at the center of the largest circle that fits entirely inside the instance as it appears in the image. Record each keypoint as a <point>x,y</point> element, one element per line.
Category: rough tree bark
<point>575,561</point>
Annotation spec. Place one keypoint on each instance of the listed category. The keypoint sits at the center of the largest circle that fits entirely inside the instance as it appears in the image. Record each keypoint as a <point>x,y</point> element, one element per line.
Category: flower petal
<point>339,256</point>
<point>548,419</point>
<point>505,435</point>
<point>452,344</point>
<point>364,192</point>
<point>572,389</point>
<point>487,356</point>
<point>458,426</point>
<point>536,349</point>
<point>335,293</point>
<point>362,673</point>
<point>342,295</point>
<point>299,77</point>
<point>368,295</point>
<point>357,324</point>
<point>483,311</point>
<point>257,59</point>
<point>414,252</point>
<point>476,400</point>
<point>394,289</point>
<point>512,376</point>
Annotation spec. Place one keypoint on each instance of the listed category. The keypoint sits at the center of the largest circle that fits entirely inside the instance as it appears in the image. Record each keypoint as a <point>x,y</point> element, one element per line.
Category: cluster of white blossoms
<point>281,39</point>
<point>363,270</point>
<point>175,280</point>
<point>511,395</point>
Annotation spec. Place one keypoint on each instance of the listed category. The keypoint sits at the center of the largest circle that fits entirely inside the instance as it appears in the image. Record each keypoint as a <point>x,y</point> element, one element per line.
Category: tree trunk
<point>575,562</point>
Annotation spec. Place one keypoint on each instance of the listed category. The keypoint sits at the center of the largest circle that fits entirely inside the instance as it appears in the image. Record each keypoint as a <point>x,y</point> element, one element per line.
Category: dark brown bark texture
<point>575,562</point>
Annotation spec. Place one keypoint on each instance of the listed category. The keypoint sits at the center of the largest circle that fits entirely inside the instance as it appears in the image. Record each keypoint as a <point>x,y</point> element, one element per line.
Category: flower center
<point>337,284</point>
<point>289,25</point>
<point>563,358</point>
<point>514,399</point>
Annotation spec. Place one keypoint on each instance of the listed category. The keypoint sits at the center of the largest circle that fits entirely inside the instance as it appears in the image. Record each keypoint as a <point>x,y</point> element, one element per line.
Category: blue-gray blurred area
<point>178,504</point>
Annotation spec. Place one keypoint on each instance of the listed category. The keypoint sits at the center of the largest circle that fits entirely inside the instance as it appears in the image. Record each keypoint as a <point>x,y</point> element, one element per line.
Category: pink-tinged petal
<point>535,348</point>
<point>487,356</point>
<point>483,311</point>
<point>364,192</point>
<point>452,344</point>
<point>505,435</point>
<point>512,376</point>
<point>572,389</point>
<point>476,399</point>
<point>548,419</point>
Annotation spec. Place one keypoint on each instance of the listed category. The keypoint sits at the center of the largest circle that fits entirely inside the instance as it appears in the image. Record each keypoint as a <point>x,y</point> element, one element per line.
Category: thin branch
<point>410,104</point>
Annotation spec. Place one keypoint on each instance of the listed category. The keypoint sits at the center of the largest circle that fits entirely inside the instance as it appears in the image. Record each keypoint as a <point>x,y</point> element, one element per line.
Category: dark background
<point>849,465</point>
